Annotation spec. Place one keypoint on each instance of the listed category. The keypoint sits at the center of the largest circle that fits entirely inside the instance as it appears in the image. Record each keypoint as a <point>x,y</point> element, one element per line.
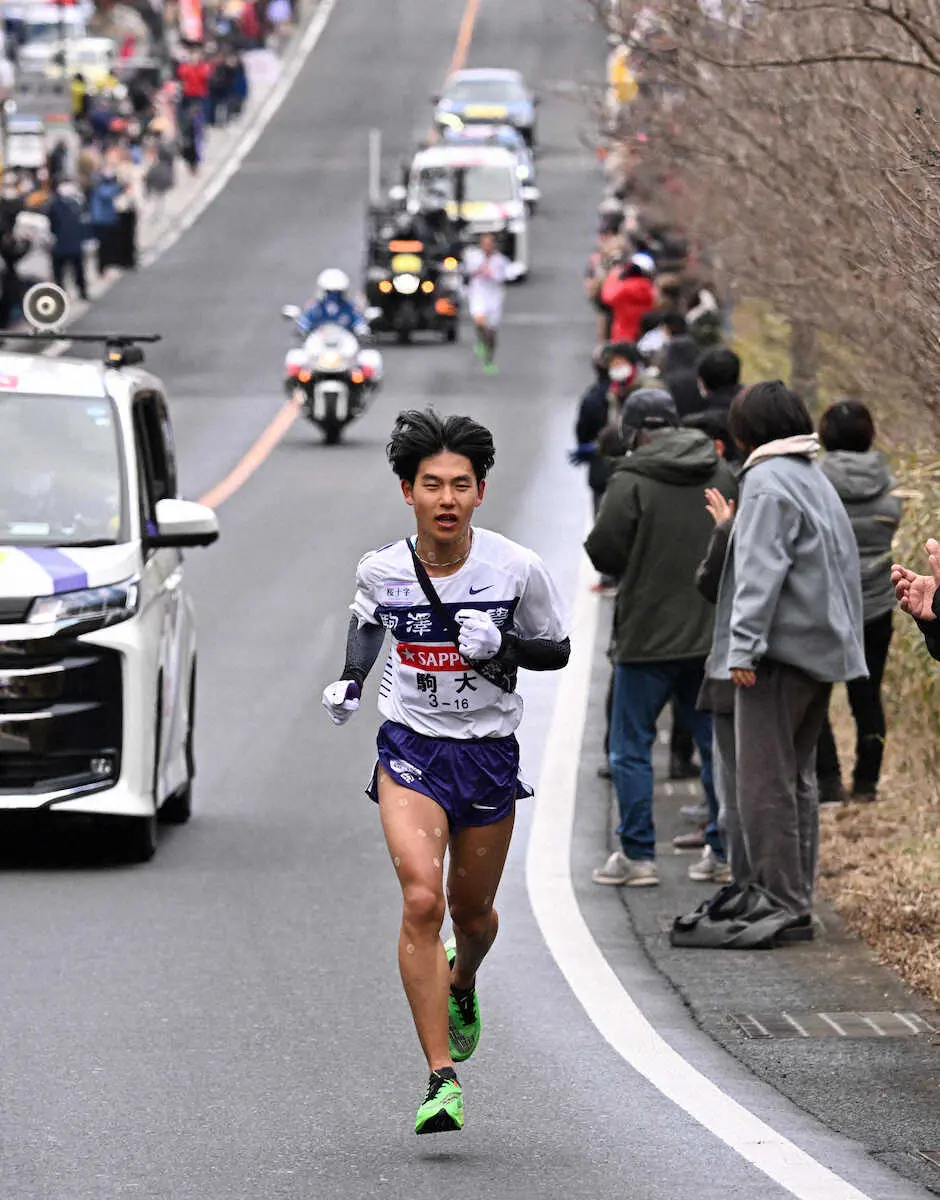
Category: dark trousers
<point>776,728</point>
<point>865,702</point>
<point>73,264</point>
<point>106,236</point>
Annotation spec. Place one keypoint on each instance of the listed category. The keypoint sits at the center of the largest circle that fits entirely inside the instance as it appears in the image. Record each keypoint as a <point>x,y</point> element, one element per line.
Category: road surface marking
<point>251,461</point>
<point>603,997</point>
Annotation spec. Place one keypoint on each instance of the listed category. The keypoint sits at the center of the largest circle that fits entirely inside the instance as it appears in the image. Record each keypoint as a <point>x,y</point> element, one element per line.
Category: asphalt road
<point>227,1021</point>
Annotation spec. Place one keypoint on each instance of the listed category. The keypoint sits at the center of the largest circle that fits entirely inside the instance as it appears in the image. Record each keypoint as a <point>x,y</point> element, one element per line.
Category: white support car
<point>97,639</point>
<point>483,182</point>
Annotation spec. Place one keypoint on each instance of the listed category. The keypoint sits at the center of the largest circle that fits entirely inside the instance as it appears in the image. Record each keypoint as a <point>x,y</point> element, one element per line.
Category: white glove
<point>341,700</point>
<point>480,638</point>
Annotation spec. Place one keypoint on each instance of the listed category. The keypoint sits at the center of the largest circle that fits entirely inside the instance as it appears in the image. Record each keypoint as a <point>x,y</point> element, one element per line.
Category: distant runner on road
<point>487,272</point>
<point>466,608</point>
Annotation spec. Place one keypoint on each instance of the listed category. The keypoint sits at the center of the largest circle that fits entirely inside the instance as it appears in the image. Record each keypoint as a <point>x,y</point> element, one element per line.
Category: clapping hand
<point>720,508</point>
<point>915,593</point>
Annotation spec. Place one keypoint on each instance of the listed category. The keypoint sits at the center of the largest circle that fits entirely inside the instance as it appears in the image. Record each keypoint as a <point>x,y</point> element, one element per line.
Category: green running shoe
<point>463,1016</point>
<point>442,1110</point>
<point>490,368</point>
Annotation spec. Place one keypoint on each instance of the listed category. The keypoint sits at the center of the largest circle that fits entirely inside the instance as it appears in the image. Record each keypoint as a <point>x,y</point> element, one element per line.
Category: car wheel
<point>453,333</point>
<point>178,808</point>
<point>135,838</point>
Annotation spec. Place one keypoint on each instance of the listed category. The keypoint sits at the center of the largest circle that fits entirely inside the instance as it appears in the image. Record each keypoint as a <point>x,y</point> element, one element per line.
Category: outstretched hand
<point>915,592</point>
<point>720,508</point>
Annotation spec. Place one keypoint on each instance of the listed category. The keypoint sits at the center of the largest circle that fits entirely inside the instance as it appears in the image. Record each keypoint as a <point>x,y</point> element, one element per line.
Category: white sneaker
<point>710,868</point>
<point>620,871</point>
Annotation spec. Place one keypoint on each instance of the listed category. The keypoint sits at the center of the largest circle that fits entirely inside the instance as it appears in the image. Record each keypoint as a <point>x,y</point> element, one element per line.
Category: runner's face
<point>444,494</point>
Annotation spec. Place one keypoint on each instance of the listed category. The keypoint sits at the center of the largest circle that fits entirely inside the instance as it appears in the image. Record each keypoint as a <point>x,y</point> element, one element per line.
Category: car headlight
<point>517,226</point>
<point>406,285</point>
<point>93,608</point>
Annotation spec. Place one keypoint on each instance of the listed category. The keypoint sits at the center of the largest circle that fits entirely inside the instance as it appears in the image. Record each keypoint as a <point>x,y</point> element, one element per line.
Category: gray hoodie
<point>791,586</point>
<point>864,483</point>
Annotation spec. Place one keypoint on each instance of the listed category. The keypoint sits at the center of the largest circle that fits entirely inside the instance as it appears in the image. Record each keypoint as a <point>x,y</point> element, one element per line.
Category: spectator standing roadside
<point>919,596</point>
<point>601,262</point>
<point>788,626</point>
<point>651,533</point>
<point>105,189</point>
<point>719,377</point>
<point>680,374</point>
<point>69,230</point>
<point>628,293</point>
<point>865,485</point>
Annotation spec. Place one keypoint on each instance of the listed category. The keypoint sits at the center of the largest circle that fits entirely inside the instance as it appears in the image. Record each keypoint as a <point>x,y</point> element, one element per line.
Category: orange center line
<point>464,36</point>
<point>251,461</point>
<point>287,415</point>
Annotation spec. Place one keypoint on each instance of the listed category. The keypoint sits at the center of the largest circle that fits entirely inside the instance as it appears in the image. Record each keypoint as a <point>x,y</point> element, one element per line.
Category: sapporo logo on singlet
<point>424,657</point>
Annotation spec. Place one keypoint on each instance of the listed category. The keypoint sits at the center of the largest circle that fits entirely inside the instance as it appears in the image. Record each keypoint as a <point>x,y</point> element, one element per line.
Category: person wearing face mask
<point>615,367</point>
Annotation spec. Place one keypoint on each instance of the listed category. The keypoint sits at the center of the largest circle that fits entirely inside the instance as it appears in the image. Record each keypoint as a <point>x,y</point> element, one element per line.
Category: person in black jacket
<point>719,377</point>
<point>680,373</point>
<point>919,596</point>
<point>615,366</point>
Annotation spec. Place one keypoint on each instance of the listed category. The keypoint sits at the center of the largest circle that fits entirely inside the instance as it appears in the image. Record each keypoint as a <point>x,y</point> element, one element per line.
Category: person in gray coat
<point>863,479</point>
<point>788,626</point>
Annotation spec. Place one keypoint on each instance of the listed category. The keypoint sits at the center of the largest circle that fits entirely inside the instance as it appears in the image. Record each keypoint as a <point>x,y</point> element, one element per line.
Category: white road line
<point>796,1025</point>
<point>607,1003</point>
<point>835,1024</point>
<point>259,123</point>
<point>913,1025</point>
<point>874,1025</point>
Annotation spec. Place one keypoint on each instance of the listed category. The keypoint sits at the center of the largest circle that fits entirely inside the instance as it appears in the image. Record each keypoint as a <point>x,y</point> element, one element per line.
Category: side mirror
<point>183,523</point>
<point>292,312</point>
<point>398,194</point>
<point>514,271</point>
<point>436,98</point>
<point>373,314</point>
<point>531,195</point>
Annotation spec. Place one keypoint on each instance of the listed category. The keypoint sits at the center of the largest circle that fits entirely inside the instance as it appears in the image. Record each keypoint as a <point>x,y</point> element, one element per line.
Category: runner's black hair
<point>420,435</point>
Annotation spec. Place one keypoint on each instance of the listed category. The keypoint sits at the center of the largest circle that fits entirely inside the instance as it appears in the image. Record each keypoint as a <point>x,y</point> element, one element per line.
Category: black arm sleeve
<point>533,654</point>
<point>931,632</point>
<point>363,647</point>
<point>708,575</point>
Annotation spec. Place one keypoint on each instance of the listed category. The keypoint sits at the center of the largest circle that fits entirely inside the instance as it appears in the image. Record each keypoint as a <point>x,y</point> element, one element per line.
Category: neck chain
<point>433,562</point>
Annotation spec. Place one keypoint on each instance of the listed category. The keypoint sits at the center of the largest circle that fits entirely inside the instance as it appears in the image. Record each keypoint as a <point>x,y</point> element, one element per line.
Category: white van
<point>484,182</point>
<point>97,638</point>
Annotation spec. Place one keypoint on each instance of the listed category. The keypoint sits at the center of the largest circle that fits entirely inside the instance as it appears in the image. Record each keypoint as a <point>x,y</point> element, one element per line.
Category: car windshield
<point>488,185</point>
<point>48,31</point>
<point>486,91</point>
<point>61,477</point>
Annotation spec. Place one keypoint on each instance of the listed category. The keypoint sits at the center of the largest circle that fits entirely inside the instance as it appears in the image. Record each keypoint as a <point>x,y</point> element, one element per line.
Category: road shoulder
<point>879,1091</point>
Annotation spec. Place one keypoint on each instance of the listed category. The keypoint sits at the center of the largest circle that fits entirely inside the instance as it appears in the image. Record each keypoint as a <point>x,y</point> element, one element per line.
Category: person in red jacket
<point>627,291</point>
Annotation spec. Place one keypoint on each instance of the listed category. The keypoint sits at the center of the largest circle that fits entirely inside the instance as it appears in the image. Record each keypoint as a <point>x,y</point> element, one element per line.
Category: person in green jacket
<point>652,531</point>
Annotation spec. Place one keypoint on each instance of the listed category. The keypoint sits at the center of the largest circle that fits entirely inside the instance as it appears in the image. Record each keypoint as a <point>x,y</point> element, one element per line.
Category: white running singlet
<point>485,290</point>
<point>426,685</point>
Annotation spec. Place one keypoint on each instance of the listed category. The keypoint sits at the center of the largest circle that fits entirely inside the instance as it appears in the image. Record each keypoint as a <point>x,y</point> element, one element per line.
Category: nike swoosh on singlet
<point>476,591</point>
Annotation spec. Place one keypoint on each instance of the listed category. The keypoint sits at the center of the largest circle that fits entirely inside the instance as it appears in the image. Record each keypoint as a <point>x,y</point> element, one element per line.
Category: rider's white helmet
<point>332,281</point>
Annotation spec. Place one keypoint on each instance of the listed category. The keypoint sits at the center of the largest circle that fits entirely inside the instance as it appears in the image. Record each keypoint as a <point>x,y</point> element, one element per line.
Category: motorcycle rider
<point>432,225</point>
<point>332,306</point>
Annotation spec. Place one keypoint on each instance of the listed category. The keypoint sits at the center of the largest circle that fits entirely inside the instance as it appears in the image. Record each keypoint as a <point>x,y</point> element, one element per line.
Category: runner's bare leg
<point>477,858</point>
<point>416,832</point>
